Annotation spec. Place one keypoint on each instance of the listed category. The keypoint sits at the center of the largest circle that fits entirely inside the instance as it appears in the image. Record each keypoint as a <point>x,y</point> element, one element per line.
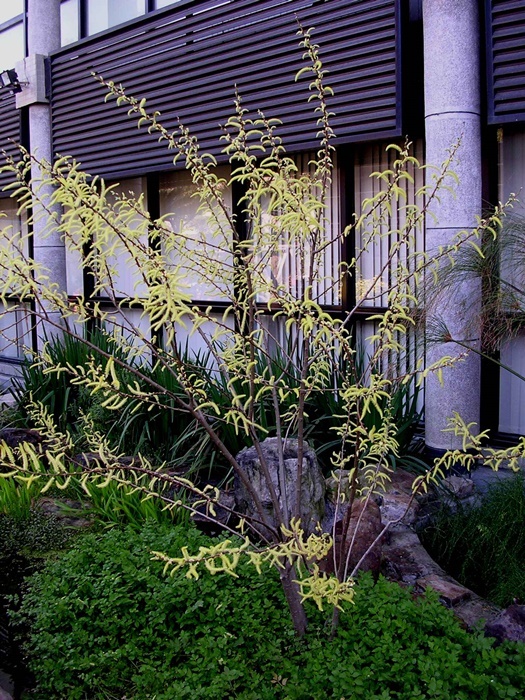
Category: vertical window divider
<point>490,371</point>
<point>241,229</point>
<point>346,164</point>
<point>153,202</point>
<point>25,140</point>
<point>347,198</point>
<point>82,19</point>
<point>88,285</point>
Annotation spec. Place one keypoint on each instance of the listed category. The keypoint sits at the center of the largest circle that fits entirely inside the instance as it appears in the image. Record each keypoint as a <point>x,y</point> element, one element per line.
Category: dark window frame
<point>346,197</point>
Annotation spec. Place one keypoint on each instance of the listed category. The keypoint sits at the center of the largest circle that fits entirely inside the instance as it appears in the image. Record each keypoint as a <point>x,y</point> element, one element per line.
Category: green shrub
<point>106,624</point>
<point>153,432</point>
<point>484,547</point>
<point>55,389</point>
<point>36,534</point>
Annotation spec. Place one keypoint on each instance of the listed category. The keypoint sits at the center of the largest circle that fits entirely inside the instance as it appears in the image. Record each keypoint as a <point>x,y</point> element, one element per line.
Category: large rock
<point>213,525</point>
<point>406,560</point>
<point>459,487</point>
<point>508,625</point>
<point>312,483</point>
<point>398,502</point>
<point>15,436</point>
<point>365,517</point>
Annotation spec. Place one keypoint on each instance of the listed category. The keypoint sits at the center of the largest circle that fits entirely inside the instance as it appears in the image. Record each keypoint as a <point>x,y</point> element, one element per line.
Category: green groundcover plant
<point>105,624</point>
<point>32,536</point>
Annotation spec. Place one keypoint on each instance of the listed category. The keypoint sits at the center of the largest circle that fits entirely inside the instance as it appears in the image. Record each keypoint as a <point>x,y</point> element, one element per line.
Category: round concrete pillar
<point>452,114</point>
<point>43,26</point>
<point>43,33</point>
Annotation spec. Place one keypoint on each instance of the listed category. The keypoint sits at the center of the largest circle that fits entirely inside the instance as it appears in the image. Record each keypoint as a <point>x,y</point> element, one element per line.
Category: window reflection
<point>125,274</point>
<point>14,316</point>
<point>10,9</point>
<point>103,14</point>
<point>196,234</point>
<point>164,3</point>
<point>69,22</point>
<point>12,46</point>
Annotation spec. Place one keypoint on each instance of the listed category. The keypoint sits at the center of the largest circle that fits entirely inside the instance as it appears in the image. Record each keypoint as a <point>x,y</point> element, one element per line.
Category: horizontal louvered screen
<point>506,60</point>
<point>186,61</point>
<point>9,133</point>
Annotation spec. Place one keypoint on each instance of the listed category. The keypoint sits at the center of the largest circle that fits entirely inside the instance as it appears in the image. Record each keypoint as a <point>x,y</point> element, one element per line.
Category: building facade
<point>433,70</point>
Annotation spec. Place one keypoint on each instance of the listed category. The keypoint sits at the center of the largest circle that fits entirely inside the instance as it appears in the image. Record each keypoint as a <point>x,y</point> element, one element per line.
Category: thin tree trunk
<point>293,598</point>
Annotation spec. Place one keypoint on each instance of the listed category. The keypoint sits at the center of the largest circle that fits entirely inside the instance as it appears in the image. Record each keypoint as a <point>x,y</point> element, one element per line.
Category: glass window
<point>103,14</point>
<point>10,9</point>
<point>131,326</point>
<point>216,326</point>
<point>14,317</point>
<point>121,278</point>
<point>9,216</point>
<point>125,274</point>
<point>373,246</point>
<point>15,336</point>
<point>123,270</point>
<point>286,258</point>
<point>512,350</point>
<point>12,46</point>
<point>290,260</point>
<point>69,22</point>
<point>164,3</point>
<point>512,388</point>
<point>194,235</point>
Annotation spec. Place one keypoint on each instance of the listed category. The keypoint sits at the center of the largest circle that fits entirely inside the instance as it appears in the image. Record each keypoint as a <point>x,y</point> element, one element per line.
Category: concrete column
<point>452,112</point>
<point>43,31</point>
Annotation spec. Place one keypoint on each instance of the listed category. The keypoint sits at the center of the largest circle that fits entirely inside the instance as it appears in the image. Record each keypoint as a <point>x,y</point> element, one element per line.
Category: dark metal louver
<point>506,60</point>
<point>10,133</point>
<point>187,60</point>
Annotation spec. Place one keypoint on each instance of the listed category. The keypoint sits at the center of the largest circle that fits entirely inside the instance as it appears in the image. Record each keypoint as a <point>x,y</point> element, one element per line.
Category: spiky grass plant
<point>483,546</point>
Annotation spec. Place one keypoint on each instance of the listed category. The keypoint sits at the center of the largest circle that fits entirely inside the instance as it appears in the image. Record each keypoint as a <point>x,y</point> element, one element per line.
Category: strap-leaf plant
<point>281,209</point>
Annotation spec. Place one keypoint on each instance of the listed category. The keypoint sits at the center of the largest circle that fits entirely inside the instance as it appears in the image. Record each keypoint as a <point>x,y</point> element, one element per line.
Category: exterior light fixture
<point>9,80</point>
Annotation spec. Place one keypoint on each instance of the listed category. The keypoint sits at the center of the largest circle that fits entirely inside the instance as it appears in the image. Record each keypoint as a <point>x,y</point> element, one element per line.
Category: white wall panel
<point>377,264</point>
<point>512,388</point>
<point>200,236</point>
<point>512,354</point>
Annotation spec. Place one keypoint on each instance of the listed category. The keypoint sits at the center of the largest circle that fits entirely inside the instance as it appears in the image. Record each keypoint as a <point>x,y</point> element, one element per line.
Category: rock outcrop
<point>355,535</point>
<point>508,625</point>
<point>406,560</point>
<point>312,483</point>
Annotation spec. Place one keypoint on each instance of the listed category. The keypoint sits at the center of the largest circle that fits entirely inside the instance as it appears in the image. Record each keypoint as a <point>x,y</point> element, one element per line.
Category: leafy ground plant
<point>56,390</point>
<point>37,534</point>
<point>24,528</point>
<point>129,633</point>
<point>484,546</point>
